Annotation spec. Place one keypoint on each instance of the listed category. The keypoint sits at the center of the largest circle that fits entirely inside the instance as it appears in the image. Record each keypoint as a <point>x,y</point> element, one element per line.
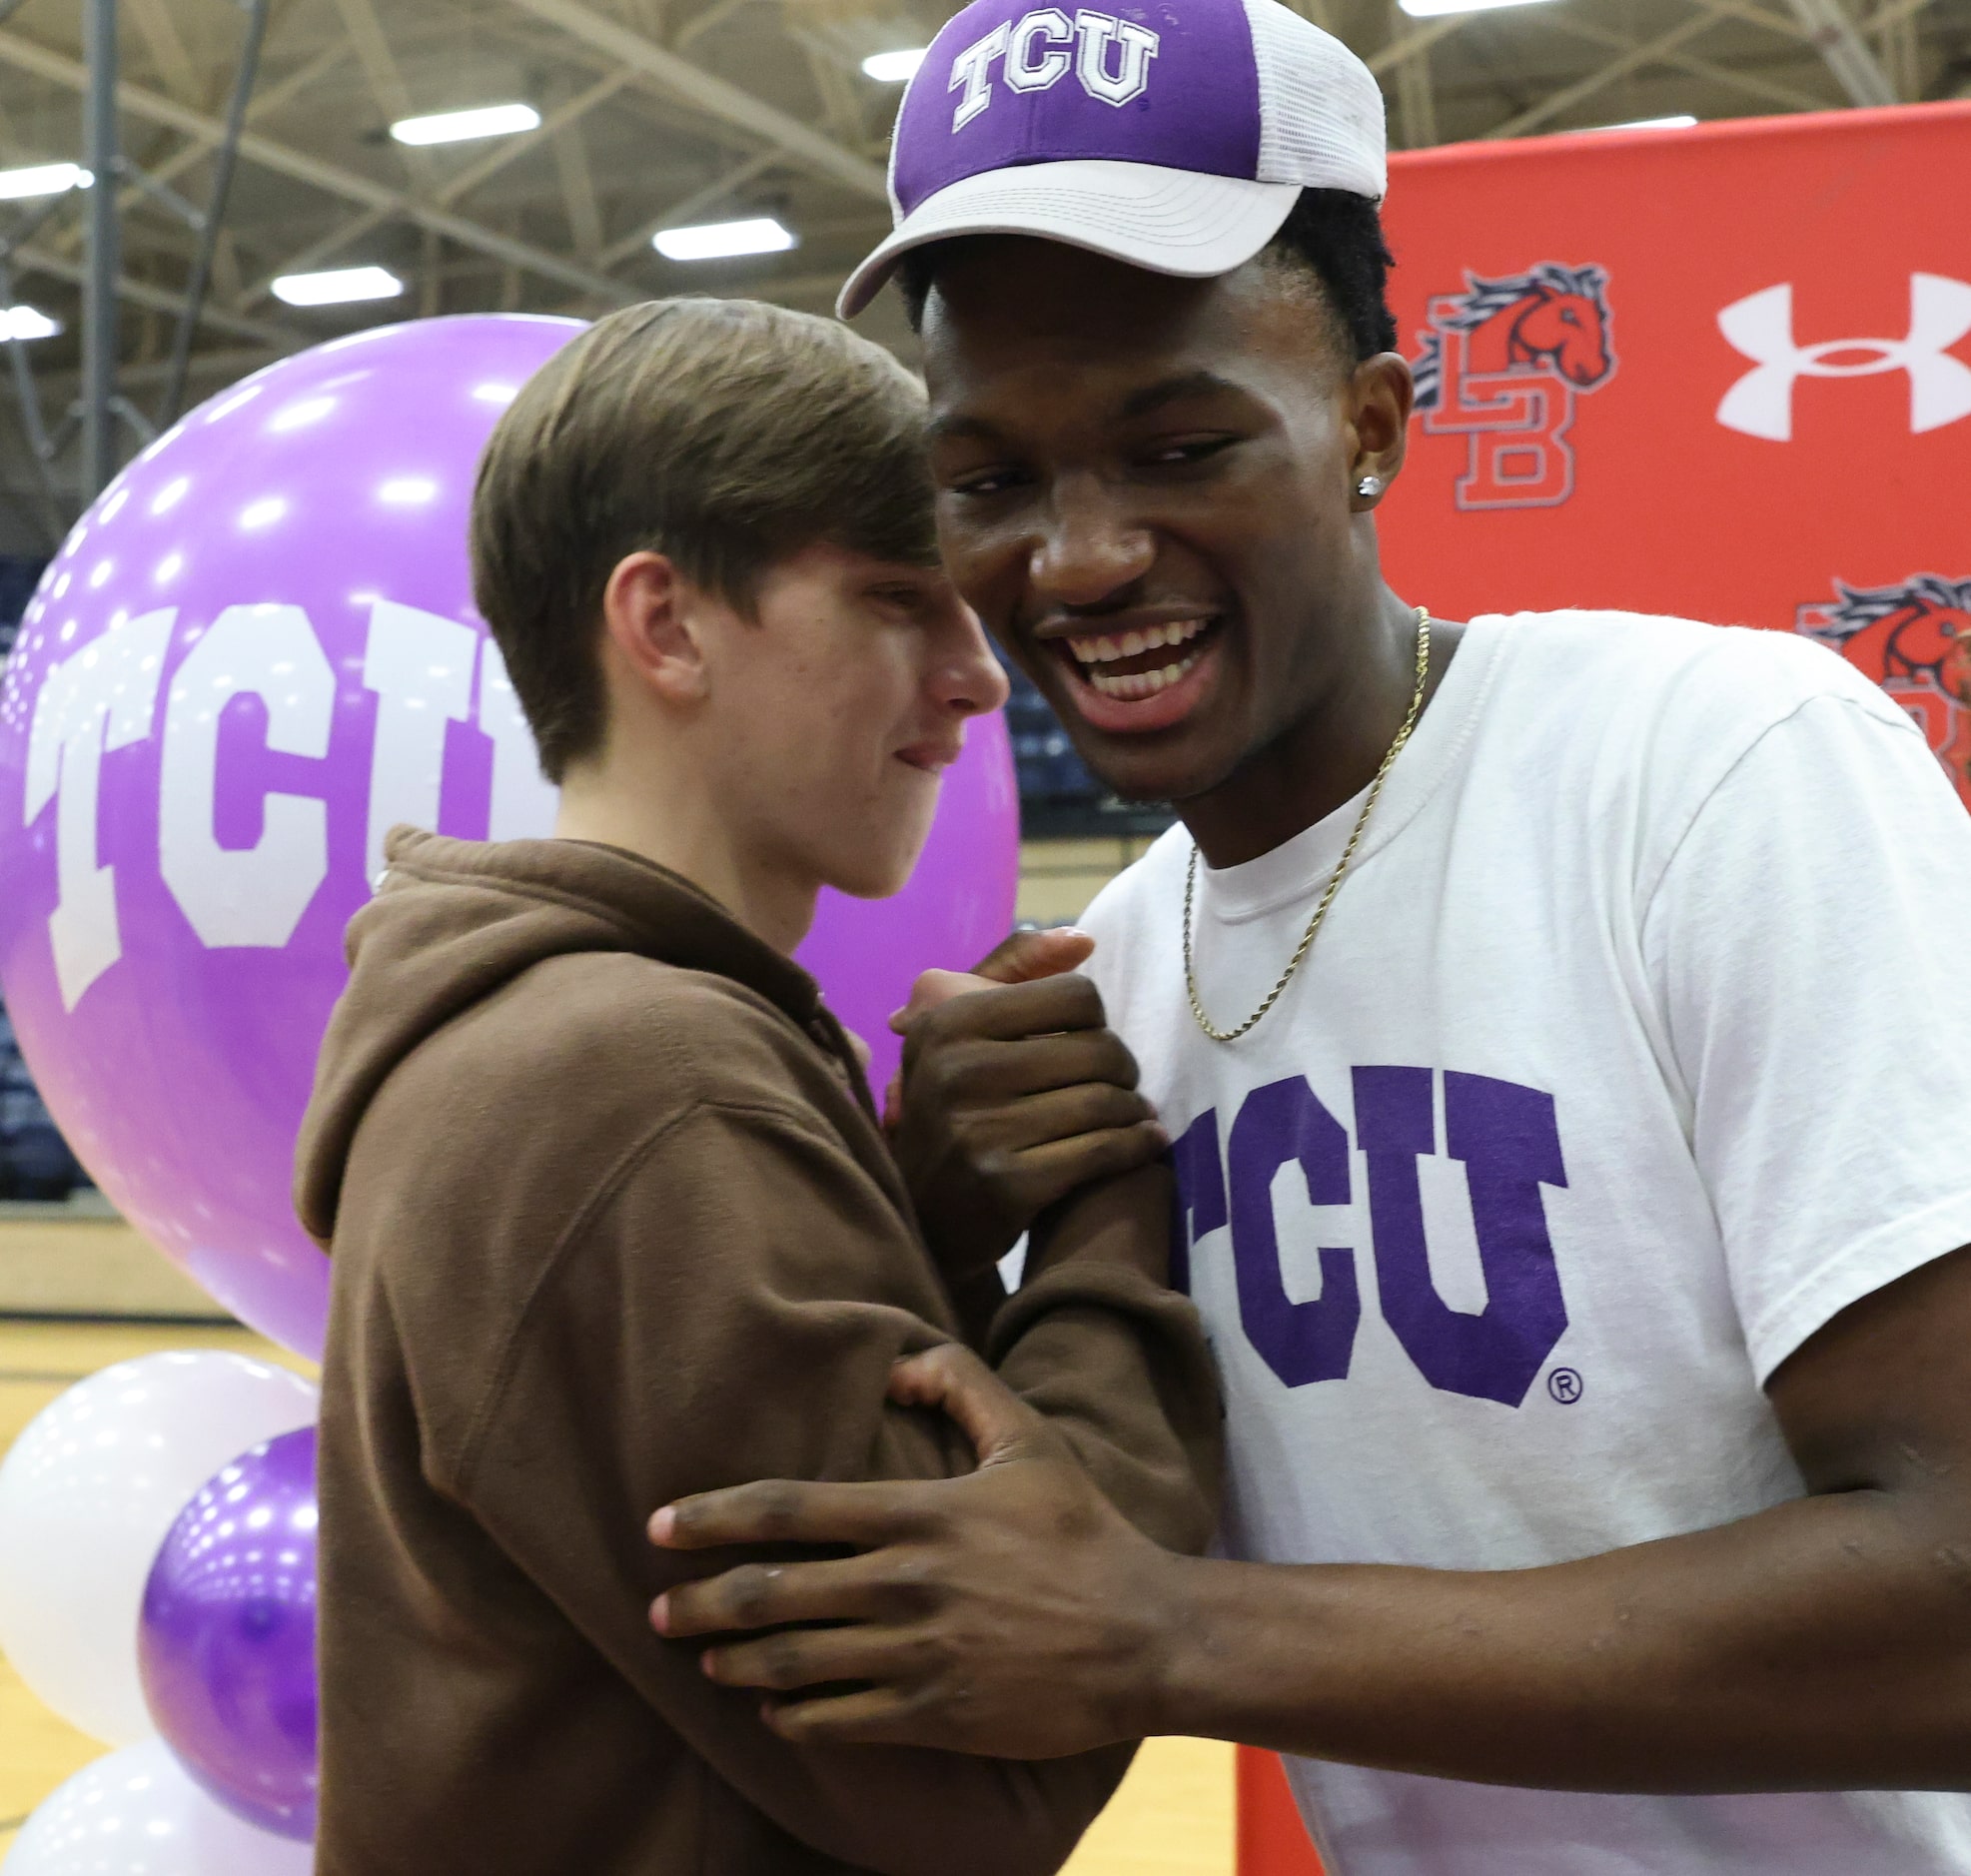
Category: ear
<point>1382,395</point>
<point>651,616</point>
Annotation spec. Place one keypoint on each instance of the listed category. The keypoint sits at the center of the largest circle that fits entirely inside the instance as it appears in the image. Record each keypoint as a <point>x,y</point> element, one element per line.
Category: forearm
<point>1117,1362</point>
<point>1825,1643</point>
<point>1123,1222</point>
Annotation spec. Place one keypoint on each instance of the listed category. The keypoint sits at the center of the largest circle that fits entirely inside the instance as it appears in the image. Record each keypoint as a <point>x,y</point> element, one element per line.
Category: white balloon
<point>136,1813</point>
<point>88,1494</point>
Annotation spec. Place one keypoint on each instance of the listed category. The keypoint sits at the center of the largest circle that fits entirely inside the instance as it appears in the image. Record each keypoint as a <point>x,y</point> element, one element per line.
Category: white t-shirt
<point>1637,1046</point>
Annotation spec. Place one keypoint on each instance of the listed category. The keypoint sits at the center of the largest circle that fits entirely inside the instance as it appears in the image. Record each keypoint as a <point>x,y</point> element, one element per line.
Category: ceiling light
<point>719,241</point>
<point>1681,122</point>
<point>894,68</point>
<point>337,286</point>
<point>26,322</point>
<point>485,120</point>
<point>43,179</point>
<point>1435,9</point>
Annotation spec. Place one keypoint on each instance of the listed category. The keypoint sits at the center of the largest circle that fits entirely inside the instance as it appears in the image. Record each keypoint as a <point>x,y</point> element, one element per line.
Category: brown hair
<point>724,433</point>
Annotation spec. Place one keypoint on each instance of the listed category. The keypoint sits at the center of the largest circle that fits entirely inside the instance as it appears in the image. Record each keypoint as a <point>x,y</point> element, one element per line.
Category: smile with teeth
<point>1091,651</point>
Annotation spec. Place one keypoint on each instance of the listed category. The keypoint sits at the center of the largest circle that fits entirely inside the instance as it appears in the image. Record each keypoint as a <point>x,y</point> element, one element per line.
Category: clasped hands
<point>1014,1092</point>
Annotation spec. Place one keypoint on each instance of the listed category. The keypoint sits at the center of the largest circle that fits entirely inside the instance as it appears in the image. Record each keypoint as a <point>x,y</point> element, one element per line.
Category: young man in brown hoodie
<point>613,1216</point>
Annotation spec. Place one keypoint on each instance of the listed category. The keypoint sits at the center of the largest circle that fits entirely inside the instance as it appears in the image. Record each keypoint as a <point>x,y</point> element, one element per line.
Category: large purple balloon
<point>252,656</point>
<point>225,1642</point>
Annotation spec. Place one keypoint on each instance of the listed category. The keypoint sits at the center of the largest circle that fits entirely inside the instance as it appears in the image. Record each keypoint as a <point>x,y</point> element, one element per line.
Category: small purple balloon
<point>226,1640</point>
<point>255,654</point>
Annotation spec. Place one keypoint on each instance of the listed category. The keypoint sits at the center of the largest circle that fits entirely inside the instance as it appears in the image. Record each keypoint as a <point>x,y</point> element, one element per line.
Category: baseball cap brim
<point>1168,221</point>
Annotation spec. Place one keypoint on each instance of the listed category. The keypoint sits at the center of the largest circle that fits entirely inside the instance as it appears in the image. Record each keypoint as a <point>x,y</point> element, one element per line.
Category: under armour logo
<point>1761,327</point>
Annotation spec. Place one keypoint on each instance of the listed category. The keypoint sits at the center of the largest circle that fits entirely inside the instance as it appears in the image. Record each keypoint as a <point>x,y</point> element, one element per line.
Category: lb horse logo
<point>1915,641</point>
<point>1502,363</point>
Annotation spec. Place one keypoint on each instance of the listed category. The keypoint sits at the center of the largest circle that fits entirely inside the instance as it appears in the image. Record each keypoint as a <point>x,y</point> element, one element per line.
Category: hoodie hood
<point>456,921</point>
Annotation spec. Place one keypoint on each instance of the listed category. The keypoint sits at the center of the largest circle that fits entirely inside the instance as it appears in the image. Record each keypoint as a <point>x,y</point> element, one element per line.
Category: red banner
<point>1271,1839</point>
<point>1722,372</point>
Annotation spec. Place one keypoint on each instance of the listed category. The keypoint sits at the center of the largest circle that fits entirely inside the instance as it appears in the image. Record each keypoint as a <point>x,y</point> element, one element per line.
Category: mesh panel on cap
<point>1321,109</point>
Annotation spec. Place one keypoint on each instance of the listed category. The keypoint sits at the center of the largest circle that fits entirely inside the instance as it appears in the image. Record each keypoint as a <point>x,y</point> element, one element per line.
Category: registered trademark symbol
<point>1565,1385</point>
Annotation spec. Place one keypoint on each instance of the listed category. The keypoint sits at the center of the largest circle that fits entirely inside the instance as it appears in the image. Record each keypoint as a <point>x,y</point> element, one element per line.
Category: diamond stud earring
<point>1369,487</point>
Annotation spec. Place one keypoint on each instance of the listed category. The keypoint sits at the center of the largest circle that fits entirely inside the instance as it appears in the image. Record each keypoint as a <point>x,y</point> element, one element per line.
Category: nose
<point>1091,548</point>
<point>966,679</point>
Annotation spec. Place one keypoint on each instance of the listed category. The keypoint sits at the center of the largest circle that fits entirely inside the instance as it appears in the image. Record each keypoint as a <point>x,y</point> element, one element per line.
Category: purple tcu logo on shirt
<point>1007,82</point>
<point>1509,1143</point>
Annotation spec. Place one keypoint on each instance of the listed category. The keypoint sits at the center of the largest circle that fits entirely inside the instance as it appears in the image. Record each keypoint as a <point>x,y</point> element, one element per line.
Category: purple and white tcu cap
<point>1174,134</point>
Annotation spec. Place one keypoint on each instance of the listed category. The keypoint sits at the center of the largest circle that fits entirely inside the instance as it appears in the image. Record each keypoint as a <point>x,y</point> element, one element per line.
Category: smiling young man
<point>1560,1023</point>
<point>610,1211</point>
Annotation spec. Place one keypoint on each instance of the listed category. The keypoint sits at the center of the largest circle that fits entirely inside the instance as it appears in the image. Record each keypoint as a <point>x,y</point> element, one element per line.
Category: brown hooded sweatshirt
<point>612,1221</point>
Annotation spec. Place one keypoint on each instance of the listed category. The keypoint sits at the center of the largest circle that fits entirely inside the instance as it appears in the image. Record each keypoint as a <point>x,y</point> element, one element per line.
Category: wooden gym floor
<point>1173,1816</point>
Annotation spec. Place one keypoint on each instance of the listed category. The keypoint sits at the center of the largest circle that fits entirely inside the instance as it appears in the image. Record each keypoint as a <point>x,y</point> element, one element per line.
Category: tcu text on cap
<point>1111,58</point>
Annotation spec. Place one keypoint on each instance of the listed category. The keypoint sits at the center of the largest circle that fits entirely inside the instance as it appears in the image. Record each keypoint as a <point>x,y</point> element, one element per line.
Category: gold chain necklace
<point>1334,879</point>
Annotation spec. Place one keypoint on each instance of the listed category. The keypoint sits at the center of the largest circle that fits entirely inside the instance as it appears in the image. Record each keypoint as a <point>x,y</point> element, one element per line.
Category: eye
<point>1181,452</point>
<point>913,600</point>
<point>988,482</point>
<point>1571,319</point>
